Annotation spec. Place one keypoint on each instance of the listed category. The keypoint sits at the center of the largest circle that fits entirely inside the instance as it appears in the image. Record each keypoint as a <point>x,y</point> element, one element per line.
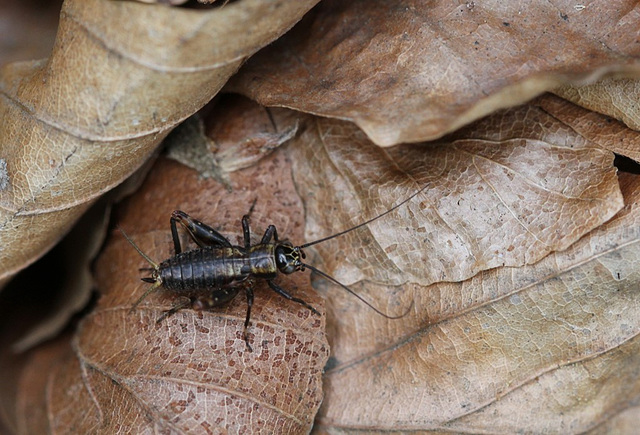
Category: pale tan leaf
<point>506,191</point>
<point>625,422</point>
<point>551,347</point>
<point>414,71</point>
<point>120,77</point>
<point>614,97</point>
<point>601,130</point>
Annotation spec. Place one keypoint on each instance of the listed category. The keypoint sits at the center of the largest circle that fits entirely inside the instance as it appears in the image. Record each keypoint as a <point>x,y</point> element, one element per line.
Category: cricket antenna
<point>404,201</point>
<point>335,281</point>
<point>155,279</point>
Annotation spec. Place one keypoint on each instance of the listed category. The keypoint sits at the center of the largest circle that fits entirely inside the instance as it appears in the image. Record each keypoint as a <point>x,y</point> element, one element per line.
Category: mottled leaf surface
<point>543,348</point>
<point>414,71</point>
<point>120,77</point>
<point>192,371</point>
<point>506,191</point>
<point>617,98</point>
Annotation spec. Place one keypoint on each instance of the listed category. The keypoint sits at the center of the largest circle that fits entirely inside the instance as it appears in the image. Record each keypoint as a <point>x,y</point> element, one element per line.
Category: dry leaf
<point>615,97</point>
<point>192,372</point>
<point>413,71</point>
<point>244,133</point>
<point>120,77</point>
<point>547,348</point>
<point>506,191</point>
<point>601,130</point>
<point>485,332</point>
<point>512,189</point>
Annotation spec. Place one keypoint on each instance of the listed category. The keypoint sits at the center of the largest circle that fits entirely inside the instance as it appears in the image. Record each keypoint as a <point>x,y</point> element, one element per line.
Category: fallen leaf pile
<point>516,262</point>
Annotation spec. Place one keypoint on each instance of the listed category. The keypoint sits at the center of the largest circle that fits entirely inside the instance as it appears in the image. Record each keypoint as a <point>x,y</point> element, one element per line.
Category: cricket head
<point>289,258</point>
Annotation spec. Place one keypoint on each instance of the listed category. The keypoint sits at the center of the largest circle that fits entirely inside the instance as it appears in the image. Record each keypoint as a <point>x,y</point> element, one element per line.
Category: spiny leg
<point>271,232</point>
<point>246,231</point>
<point>275,287</point>
<point>201,233</point>
<point>245,333</point>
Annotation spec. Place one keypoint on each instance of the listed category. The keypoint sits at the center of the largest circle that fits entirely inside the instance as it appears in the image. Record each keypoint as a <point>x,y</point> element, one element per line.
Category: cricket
<point>215,273</point>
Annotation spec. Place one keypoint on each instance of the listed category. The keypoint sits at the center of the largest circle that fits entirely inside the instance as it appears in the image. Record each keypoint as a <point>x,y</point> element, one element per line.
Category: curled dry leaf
<point>409,71</point>
<point>120,77</point>
<point>615,97</point>
<point>506,191</point>
<point>192,372</point>
<point>547,348</point>
<point>601,130</point>
<point>244,133</point>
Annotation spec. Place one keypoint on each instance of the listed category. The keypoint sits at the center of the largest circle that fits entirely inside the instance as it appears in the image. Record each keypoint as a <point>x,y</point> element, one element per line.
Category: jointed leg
<point>245,225</point>
<point>271,232</point>
<point>246,231</point>
<point>275,287</point>
<point>184,304</point>
<point>201,233</point>
<point>245,334</point>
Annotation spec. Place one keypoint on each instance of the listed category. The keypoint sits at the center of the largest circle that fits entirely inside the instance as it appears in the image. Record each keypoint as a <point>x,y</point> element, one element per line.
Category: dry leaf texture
<point>547,348</point>
<point>491,345</point>
<point>120,77</point>
<point>192,371</point>
<point>506,191</point>
<point>615,97</point>
<point>413,71</point>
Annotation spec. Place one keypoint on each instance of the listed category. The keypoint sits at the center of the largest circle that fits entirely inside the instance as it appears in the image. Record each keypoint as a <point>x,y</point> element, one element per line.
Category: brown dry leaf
<point>615,97</point>
<point>549,348</point>
<point>244,133</point>
<point>192,371</point>
<point>414,71</point>
<point>506,191</point>
<point>601,130</point>
<point>131,374</point>
<point>120,77</point>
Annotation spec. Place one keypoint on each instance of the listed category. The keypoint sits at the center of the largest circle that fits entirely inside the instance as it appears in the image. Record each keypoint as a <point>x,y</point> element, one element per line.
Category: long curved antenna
<point>145,256</point>
<point>335,281</point>
<point>306,245</point>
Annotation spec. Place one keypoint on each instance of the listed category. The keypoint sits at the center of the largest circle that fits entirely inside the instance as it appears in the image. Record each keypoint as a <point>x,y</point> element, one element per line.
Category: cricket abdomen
<point>215,268</point>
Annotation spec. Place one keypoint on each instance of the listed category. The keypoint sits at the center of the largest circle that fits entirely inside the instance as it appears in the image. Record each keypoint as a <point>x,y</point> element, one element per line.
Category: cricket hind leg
<point>202,234</point>
<point>245,332</point>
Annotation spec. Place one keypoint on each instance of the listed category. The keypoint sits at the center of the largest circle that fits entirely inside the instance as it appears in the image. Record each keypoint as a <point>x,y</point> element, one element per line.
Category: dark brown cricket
<point>215,272</point>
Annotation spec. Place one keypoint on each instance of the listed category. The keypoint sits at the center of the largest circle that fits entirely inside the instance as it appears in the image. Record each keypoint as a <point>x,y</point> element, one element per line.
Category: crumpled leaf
<point>244,133</point>
<point>550,347</point>
<point>414,71</point>
<point>614,97</point>
<point>120,77</point>
<point>600,130</point>
<point>192,371</point>
<point>506,191</point>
